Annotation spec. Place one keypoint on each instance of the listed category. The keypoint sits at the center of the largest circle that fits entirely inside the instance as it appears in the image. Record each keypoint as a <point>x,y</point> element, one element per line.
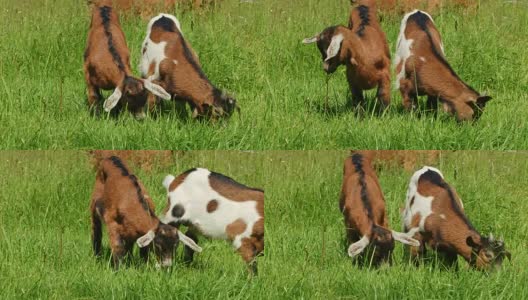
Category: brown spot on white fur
<point>212,206</point>
<point>235,228</point>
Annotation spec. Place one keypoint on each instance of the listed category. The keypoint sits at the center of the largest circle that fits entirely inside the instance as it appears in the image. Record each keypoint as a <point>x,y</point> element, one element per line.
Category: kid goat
<point>121,202</point>
<point>434,215</point>
<point>362,48</point>
<point>169,59</point>
<point>423,70</point>
<point>363,207</point>
<point>218,207</point>
<point>107,64</point>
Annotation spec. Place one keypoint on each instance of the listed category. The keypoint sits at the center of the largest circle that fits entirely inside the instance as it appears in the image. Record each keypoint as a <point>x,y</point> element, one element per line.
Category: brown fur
<point>212,206</point>
<point>183,81</point>
<point>447,229</point>
<point>434,77</point>
<point>116,203</point>
<point>357,221</point>
<point>101,69</point>
<point>364,52</point>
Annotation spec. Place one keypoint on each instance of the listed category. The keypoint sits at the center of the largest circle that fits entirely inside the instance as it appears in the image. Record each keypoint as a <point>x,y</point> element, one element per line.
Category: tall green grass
<point>45,249</point>
<point>254,51</point>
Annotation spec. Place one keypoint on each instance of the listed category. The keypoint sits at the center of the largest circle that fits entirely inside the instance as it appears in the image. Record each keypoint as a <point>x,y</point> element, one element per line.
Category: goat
<point>169,59</point>
<point>218,207</point>
<point>120,200</point>
<point>362,48</point>
<point>434,215</point>
<point>363,207</point>
<point>107,64</point>
<point>423,69</point>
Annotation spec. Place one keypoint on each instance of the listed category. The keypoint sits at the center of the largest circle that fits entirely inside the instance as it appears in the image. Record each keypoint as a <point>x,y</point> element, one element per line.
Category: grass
<point>254,51</point>
<point>45,249</point>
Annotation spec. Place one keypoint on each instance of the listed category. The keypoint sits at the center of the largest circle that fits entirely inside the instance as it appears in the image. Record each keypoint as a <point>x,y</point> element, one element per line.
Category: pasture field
<point>45,249</point>
<point>253,50</point>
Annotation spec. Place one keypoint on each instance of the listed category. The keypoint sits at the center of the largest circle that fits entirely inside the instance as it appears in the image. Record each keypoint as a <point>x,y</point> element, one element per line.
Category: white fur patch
<point>154,52</point>
<point>442,216</point>
<point>421,205</point>
<point>175,62</point>
<point>423,59</point>
<point>195,192</point>
<point>403,47</point>
<point>358,247</point>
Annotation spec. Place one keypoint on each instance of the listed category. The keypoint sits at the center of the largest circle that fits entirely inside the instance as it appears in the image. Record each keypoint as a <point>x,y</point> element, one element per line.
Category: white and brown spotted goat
<point>423,69</point>
<point>107,65</point>
<point>218,207</point>
<point>363,208</point>
<point>169,59</point>
<point>121,202</point>
<point>362,48</point>
<point>434,215</point>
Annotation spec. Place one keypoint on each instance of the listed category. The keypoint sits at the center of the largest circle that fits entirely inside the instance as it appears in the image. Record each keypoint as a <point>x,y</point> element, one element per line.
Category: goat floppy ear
<point>405,238</point>
<point>358,247</point>
<point>156,90</point>
<point>311,40</point>
<point>145,240</point>
<point>189,242</point>
<point>482,100</point>
<point>335,46</point>
<point>112,101</point>
<point>167,181</point>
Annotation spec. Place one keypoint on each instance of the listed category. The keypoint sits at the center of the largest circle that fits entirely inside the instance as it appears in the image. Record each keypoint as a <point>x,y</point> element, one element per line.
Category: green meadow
<point>253,50</point>
<point>45,249</point>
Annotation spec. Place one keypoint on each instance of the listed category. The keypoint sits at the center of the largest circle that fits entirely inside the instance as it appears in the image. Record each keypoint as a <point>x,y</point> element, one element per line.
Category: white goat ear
<point>405,238</point>
<point>112,101</point>
<point>358,247</point>
<point>167,181</point>
<point>311,40</point>
<point>145,240</point>
<point>156,90</point>
<point>189,242</point>
<point>334,47</point>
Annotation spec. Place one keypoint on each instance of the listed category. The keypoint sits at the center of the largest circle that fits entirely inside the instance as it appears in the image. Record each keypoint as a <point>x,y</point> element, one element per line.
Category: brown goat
<point>363,208</point>
<point>434,215</point>
<point>121,202</point>
<point>362,48</point>
<point>107,64</point>
<point>168,58</point>
<point>423,70</point>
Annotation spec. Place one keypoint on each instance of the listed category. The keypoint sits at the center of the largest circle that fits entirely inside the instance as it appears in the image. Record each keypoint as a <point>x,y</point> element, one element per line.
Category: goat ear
<point>145,240</point>
<point>482,100</point>
<point>335,46</point>
<point>405,238</point>
<point>358,247</point>
<point>311,40</point>
<point>189,242</point>
<point>167,181</point>
<point>112,101</point>
<point>471,242</point>
<point>156,90</point>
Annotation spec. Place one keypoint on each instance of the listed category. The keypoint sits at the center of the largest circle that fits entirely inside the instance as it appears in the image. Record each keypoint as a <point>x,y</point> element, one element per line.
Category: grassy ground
<point>45,245</point>
<point>253,50</point>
